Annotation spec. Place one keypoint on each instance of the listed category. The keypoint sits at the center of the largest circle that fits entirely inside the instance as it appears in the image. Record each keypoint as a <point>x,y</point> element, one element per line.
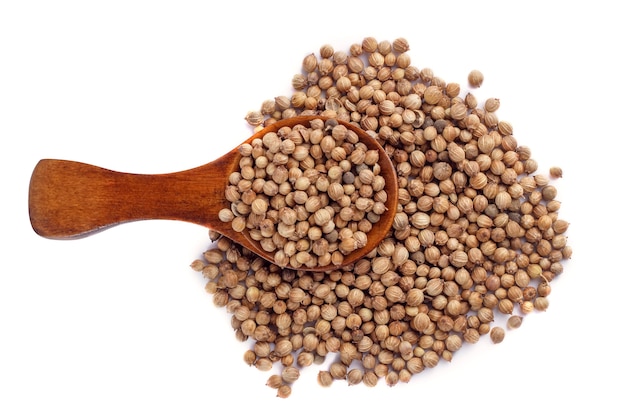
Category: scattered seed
<point>475,78</point>
<point>477,233</point>
<point>497,334</point>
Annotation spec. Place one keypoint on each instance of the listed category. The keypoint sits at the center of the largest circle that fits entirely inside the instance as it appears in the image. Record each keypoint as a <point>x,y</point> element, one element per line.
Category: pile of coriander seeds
<point>307,194</point>
<point>476,238</point>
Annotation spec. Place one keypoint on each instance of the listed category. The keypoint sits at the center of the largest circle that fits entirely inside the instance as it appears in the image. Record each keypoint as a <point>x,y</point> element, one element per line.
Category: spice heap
<point>307,194</point>
<point>476,238</point>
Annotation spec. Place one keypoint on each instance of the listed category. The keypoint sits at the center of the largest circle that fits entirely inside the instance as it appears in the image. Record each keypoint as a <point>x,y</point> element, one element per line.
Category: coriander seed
<point>475,78</point>
<point>283,391</point>
<point>556,172</point>
<point>497,334</point>
<point>477,233</point>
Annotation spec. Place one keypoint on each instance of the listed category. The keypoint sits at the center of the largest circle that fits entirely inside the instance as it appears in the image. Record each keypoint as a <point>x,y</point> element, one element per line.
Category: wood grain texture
<point>69,199</point>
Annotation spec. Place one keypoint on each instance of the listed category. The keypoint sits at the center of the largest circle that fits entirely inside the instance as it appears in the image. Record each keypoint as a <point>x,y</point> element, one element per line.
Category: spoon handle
<point>70,199</point>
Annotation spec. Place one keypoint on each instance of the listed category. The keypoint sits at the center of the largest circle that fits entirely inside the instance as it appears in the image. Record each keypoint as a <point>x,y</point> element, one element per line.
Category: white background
<point>118,324</point>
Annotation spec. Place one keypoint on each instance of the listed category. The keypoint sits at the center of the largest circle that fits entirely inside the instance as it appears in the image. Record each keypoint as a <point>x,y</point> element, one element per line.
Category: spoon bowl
<point>69,199</point>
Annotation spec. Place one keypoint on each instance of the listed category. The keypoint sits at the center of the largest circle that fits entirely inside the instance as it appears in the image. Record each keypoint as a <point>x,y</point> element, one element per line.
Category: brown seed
<point>263,364</point>
<point>254,118</point>
<point>369,44</point>
<point>430,359</point>
<point>338,370</point>
<point>400,45</point>
<point>324,378</point>
<point>514,322</point>
<point>283,391</point>
<point>290,374</point>
<point>475,78</point>
<point>492,104</point>
<point>556,172</point>
<point>541,303</point>
<point>370,379</point>
<point>497,334</point>
<point>453,343</point>
<point>476,233</point>
<point>355,376</point>
<point>274,381</point>
<point>549,192</point>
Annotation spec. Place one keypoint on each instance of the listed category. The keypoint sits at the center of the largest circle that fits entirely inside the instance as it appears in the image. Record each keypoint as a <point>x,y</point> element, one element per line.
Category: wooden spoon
<point>70,199</point>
